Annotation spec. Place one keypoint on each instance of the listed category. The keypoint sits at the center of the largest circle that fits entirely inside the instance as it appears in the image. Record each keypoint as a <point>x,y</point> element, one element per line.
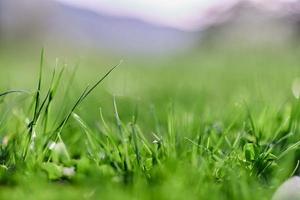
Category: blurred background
<point>145,27</point>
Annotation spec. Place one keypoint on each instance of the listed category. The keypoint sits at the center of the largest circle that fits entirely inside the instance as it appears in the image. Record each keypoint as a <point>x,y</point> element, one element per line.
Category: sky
<point>181,14</point>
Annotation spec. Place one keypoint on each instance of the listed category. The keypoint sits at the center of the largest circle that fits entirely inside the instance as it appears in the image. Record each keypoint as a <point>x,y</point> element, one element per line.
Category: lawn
<point>212,124</point>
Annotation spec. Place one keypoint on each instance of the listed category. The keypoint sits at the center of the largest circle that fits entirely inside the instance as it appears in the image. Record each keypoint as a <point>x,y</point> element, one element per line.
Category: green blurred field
<point>213,124</point>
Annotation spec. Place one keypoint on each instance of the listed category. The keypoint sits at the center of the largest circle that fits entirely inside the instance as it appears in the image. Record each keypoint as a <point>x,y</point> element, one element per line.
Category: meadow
<point>212,124</point>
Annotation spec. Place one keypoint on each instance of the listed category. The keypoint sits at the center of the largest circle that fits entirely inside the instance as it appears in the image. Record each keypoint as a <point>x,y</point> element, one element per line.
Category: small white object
<point>5,141</point>
<point>59,147</point>
<point>51,146</point>
<point>289,190</point>
<point>68,171</point>
<point>33,137</point>
<point>296,88</point>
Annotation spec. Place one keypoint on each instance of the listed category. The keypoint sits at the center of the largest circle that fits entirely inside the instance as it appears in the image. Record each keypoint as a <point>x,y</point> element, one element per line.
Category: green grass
<point>209,125</point>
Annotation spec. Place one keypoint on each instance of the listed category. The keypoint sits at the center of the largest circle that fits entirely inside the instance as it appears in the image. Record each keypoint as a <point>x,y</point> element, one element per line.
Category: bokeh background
<point>148,28</point>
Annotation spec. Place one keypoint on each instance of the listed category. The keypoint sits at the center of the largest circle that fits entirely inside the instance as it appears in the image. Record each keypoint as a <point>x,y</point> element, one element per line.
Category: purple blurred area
<point>61,26</point>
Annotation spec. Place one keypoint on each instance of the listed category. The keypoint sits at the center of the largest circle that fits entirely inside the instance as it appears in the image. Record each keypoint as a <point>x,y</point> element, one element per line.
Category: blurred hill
<point>249,24</point>
<point>58,26</point>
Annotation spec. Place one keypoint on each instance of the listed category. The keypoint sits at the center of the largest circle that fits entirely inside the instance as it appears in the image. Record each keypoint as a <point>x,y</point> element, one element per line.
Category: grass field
<point>215,124</point>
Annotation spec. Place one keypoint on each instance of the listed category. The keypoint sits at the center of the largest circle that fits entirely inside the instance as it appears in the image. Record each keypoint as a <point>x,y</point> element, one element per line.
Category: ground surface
<point>211,125</point>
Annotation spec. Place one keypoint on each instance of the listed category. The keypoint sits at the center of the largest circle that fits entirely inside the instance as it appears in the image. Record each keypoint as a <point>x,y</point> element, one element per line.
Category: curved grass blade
<point>13,91</point>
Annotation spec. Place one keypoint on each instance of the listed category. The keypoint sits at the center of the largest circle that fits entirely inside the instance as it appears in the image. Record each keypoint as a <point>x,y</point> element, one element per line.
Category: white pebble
<point>289,190</point>
<point>69,171</point>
